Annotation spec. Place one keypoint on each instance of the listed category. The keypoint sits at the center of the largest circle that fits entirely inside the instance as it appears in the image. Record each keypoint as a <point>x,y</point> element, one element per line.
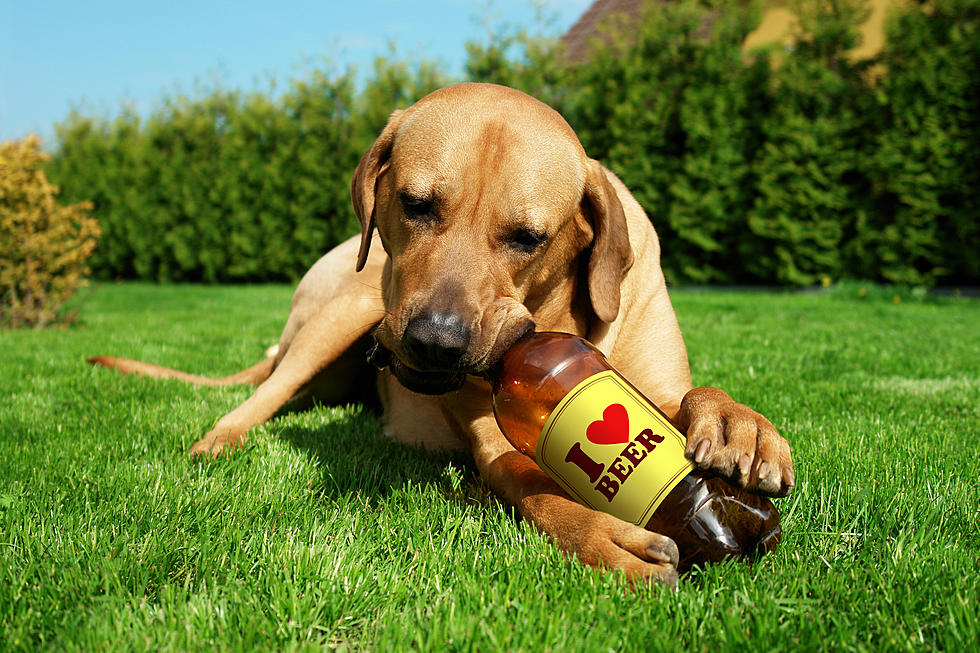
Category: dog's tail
<point>253,375</point>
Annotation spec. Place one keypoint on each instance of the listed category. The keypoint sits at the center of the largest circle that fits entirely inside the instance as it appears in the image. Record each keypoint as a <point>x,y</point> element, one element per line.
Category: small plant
<point>44,246</point>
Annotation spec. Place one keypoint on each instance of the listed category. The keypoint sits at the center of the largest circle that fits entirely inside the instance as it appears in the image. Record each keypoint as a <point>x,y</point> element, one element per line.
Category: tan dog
<point>492,220</point>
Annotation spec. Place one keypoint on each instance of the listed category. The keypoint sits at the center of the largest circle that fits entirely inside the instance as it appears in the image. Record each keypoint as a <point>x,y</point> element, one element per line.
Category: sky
<point>99,55</point>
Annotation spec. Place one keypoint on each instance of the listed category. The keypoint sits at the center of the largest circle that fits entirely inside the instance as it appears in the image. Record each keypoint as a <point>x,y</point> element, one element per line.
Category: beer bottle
<point>558,400</point>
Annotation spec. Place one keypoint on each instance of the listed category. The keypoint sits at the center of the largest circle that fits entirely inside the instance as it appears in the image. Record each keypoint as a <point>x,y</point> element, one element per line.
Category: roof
<point>577,38</point>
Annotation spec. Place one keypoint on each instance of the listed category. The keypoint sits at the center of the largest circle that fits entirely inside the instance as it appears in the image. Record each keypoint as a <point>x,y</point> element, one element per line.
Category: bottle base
<point>711,520</point>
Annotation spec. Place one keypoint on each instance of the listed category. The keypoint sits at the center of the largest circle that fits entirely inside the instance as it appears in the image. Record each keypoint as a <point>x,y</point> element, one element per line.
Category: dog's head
<point>491,215</point>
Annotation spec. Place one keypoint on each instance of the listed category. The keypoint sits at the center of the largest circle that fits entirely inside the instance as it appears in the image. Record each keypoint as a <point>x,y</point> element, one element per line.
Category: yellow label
<point>611,450</point>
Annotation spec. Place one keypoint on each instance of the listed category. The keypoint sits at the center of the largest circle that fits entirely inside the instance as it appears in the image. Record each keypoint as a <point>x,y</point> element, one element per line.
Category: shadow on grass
<point>355,457</point>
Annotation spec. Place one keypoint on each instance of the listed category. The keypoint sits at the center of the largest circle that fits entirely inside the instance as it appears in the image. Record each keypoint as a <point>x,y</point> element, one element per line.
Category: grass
<point>323,534</point>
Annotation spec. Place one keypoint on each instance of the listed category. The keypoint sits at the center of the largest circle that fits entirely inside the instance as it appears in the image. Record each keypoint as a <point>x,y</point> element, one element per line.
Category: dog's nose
<point>437,340</point>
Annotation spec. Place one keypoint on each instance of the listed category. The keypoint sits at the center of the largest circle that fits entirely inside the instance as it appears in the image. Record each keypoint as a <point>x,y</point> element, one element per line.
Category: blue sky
<point>96,55</point>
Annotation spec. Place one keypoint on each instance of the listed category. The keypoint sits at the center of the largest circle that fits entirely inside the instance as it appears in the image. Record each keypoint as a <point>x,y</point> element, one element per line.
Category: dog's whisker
<point>362,328</point>
<point>365,284</point>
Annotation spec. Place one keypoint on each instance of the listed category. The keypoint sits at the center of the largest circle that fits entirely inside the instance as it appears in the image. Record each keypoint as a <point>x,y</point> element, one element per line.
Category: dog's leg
<point>735,441</point>
<point>596,538</point>
<point>322,340</point>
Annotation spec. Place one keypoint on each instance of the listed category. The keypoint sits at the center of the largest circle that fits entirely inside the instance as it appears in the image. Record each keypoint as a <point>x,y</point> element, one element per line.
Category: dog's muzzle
<point>427,383</point>
<point>432,354</point>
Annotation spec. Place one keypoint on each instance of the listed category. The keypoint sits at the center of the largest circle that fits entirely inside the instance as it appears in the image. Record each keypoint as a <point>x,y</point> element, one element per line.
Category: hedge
<point>785,166</point>
<point>230,186</point>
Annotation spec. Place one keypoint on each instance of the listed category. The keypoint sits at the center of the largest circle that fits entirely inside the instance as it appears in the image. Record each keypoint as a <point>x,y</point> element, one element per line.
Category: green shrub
<point>533,63</point>
<point>810,190</point>
<point>44,245</point>
<point>673,109</point>
<point>793,168</point>
<point>925,158</point>
<point>224,187</point>
<point>228,186</point>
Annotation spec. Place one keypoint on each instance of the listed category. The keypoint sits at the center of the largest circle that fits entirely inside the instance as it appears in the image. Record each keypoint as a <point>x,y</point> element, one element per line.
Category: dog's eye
<point>417,208</point>
<point>525,240</point>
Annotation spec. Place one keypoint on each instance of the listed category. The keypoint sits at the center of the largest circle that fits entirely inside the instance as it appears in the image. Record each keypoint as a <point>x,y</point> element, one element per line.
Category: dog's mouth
<point>437,382</point>
<point>426,383</point>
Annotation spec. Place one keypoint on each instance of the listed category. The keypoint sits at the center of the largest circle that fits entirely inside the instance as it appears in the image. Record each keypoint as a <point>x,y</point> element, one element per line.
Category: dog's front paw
<point>217,441</point>
<point>734,441</point>
<point>601,540</point>
<point>643,555</point>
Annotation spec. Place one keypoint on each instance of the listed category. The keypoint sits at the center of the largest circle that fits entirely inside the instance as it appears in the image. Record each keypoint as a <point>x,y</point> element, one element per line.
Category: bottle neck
<point>494,373</point>
<point>544,367</point>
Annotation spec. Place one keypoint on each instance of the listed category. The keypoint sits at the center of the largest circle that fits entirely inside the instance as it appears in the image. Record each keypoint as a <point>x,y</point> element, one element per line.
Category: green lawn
<point>323,534</point>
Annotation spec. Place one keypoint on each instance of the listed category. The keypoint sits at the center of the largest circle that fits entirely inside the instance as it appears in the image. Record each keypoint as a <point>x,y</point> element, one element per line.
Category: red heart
<point>613,428</point>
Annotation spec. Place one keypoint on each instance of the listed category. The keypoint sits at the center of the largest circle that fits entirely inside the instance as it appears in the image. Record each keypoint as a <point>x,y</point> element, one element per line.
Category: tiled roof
<point>577,38</point>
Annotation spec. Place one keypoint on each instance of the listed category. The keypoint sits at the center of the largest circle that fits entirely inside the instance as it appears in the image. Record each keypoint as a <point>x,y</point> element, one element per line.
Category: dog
<point>482,218</point>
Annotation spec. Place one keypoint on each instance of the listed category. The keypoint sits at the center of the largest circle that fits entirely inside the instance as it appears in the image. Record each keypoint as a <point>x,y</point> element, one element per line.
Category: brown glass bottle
<point>708,518</point>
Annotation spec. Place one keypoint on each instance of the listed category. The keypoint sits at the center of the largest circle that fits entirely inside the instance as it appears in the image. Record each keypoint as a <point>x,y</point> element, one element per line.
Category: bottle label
<point>611,450</point>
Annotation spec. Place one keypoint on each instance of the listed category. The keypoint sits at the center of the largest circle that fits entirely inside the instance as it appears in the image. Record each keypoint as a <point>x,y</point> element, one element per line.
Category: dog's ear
<point>611,256</point>
<point>364,184</point>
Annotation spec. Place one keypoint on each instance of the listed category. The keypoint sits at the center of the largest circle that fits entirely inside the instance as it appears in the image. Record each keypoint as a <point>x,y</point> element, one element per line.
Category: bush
<point>925,159</point>
<point>675,111</point>
<point>230,187</point>
<point>532,63</point>
<point>789,166</point>
<point>45,245</point>
<point>223,187</point>
<point>794,166</point>
<point>810,191</point>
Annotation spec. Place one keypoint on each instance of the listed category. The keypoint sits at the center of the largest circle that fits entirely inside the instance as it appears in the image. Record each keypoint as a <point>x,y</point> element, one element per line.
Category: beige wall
<point>779,24</point>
